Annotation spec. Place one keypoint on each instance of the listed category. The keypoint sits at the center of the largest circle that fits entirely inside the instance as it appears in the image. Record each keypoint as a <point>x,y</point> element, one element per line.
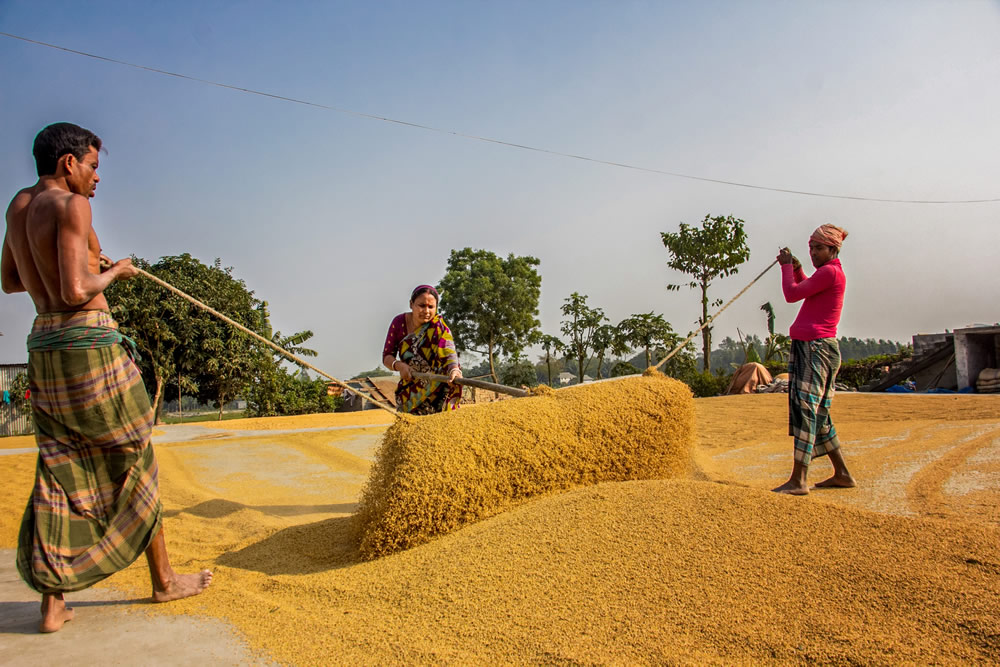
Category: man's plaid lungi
<point>95,507</point>
<point>812,369</point>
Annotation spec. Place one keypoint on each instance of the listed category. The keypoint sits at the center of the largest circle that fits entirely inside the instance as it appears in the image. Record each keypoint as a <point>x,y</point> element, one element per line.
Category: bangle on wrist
<point>393,366</point>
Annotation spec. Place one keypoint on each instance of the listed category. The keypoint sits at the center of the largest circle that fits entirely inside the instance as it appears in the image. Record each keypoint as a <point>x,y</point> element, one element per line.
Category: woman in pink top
<point>815,358</point>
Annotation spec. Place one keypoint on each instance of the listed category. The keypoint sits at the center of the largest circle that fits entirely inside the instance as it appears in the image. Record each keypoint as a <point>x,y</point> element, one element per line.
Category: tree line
<point>490,303</point>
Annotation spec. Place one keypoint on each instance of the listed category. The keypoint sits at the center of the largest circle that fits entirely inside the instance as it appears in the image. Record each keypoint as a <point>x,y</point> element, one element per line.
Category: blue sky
<point>332,218</point>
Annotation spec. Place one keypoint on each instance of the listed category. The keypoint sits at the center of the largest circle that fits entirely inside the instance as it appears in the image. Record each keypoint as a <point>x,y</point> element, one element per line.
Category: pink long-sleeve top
<point>823,292</point>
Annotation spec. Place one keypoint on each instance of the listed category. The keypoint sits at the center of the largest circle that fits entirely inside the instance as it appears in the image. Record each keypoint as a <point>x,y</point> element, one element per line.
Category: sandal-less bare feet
<point>184,586</point>
<point>836,482</point>
<point>792,489</point>
<point>55,613</point>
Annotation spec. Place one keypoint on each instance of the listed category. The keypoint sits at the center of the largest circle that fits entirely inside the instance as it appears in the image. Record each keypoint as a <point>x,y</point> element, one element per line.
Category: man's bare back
<point>51,249</point>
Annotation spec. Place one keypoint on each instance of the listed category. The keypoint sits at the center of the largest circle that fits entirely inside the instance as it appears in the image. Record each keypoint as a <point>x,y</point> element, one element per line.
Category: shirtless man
<point>95,506</point>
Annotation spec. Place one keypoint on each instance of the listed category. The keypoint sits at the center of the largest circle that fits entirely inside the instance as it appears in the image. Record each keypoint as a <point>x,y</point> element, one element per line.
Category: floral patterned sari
<point>429,349</point>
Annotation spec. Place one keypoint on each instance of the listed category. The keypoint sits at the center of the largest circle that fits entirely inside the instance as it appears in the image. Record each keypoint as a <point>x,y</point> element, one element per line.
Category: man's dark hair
<point>59,139</point>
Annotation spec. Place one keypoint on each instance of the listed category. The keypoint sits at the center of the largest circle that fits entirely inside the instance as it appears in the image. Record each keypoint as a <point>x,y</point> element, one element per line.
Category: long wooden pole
<point>481,384</point>
<point>270,344</point>
<point>709,321</point>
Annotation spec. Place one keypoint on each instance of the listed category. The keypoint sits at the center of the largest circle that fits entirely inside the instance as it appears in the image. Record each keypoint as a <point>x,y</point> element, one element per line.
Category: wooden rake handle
<point>480,384</point>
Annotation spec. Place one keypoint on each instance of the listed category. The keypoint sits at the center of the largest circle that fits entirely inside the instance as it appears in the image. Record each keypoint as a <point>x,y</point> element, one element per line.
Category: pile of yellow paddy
<point>659,571</point>
<point>435,474</point>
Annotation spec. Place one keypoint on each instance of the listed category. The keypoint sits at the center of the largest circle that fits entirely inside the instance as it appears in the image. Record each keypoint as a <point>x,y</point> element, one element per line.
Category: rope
<point>256,335</point>
<point>709,320</point>
<point>499,142</point>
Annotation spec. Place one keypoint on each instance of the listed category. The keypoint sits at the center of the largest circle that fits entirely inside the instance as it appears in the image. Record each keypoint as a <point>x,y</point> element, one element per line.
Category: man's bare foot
<point>836,482</point>
<point>54,613</point>
<point>792,489</point>
<point>183,586</point>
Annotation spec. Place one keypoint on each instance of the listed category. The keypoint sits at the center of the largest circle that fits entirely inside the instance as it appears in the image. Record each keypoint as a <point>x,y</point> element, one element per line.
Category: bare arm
<point>10,279</point>
<point>77,284</point>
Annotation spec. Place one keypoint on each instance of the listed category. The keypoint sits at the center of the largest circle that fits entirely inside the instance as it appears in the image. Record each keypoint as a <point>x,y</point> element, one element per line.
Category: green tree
<point>714,250</point>
<point>683,364</point>
<point>160,326</point>
<point>377,372</point>
<point>579,329</point>
<point>231,359</point>
<point>185,344</point>
<point>622,368</point>
<point>518,371</point>
<point>551,345</point>
<point>647,331</point>
<point>490,303</point>
<point>608,339</point>
<point>285,393</point>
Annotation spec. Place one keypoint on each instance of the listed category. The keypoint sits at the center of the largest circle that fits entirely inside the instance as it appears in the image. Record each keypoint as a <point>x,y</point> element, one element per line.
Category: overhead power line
<point>500,142</point>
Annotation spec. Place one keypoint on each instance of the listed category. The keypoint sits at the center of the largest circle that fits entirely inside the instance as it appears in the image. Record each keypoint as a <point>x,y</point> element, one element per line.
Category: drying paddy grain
<point>434,475</point>
<point>902,569</point>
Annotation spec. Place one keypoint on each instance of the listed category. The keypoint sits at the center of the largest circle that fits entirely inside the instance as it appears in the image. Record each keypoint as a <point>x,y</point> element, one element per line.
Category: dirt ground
<point>709,570</point>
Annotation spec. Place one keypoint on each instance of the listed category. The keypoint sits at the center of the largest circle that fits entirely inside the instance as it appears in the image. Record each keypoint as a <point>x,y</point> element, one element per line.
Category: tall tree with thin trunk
<point>608,339</point>
<point>714,250</point>
<point>579,327</point>
<point>551,345</point>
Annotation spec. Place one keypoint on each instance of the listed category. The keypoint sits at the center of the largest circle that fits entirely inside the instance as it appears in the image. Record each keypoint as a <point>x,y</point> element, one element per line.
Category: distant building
<point>382,389</point>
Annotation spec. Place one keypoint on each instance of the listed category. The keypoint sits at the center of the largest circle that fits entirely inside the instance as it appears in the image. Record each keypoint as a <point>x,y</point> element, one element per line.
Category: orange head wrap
<point>830,235</point>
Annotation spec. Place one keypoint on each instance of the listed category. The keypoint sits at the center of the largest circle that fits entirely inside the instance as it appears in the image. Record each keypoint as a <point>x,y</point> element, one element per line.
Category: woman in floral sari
<point>423,344</point>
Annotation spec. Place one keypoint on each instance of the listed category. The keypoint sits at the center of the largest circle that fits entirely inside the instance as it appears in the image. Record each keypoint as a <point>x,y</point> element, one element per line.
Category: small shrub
<point>705,384</point>
<point>859,373</point>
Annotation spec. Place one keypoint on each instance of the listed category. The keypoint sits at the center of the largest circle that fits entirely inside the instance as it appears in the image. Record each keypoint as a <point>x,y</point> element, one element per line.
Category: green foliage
<point>284,393</point>
<point>731,353</point>
<point>291,344</point>
<point>551,345</point>
<point>682,364</point>
<point>579,329</point>
<point>777,345</point>
<point>858,373</point>
<point>622,368</point>
<point>517,372</point>
<point>491,304</point>
<point>714,250</point>
<point>607,339</point>
<point>648,331</point>
<point>377,372</point>
<point>775,367</point>
<point>857,348</point>
<point>705,384</point>
<point>181,341</point>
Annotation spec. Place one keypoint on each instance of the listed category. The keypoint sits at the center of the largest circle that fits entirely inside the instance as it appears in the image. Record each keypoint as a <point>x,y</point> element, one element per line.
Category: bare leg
<point>167,584</point>
<point>841,476</point>
<point>796,484</point>
<point>54,612</point>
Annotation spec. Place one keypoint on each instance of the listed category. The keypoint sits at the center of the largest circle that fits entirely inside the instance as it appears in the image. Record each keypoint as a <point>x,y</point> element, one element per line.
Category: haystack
<point>435,474</point>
